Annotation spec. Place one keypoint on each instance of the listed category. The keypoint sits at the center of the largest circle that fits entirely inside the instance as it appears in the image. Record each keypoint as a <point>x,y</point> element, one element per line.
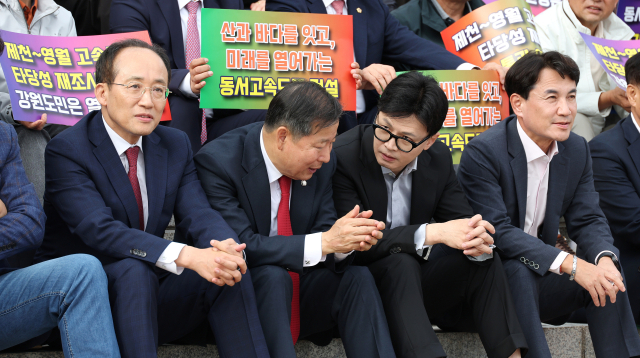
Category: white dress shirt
<point>537,188</point>
<point>170,254</point>
<point>312,242</point>
<point>399,201</point>
<point>361,106</point>
<point>538,164</point>
<point>634,122</point>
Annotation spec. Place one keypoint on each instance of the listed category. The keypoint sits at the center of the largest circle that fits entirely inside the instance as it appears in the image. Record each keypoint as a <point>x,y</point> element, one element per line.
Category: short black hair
<point>302,106</point>
<point>632,70</point>
<point>524,74</point>
<point>413,93</point>
<point>105,71</point>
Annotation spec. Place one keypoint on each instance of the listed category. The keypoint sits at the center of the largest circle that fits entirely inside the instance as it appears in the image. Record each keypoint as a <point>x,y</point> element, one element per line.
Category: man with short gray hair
<point>272,183</point>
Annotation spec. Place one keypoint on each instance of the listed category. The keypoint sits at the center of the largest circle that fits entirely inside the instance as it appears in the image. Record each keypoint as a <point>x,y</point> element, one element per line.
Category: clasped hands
<point>354,231</point>
<point>222,263</point>
<point>600,280</point>
<point>470,235</point>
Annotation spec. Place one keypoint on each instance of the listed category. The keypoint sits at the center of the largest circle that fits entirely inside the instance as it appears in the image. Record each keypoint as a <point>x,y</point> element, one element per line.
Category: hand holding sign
<point>199,71</point>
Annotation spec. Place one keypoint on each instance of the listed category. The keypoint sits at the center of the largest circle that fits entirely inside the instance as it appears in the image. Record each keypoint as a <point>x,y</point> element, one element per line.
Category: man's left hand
<point>612,271</point>
<point>502,71</point>
<point>230,246</point>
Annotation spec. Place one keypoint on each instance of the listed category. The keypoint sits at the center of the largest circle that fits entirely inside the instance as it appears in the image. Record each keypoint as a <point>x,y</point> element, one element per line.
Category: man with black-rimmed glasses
<point>443,273</point>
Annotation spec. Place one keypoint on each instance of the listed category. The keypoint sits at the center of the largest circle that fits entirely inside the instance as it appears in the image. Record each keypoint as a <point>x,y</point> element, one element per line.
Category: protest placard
<point>500,32</point>
<point>538,6</point>
<point>253,54</point>
<point>476,102</point>
<point>629,12</point>
<point>612,56</point>
<point>54,75</point>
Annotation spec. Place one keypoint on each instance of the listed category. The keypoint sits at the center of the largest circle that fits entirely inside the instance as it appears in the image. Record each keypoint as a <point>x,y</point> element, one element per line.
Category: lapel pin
<point>359,10</point>
<point>304,183</point>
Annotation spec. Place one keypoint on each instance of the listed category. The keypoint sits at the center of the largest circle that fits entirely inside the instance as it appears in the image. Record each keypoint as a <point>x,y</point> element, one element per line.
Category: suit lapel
<point>301,204</point>
<point>316,7</point>
<point>155,163</point>
<point>372,177</point>
<point>519,168</point>
<point>632,135</point>
<point>171,13</point>
<point>421,197</point>
<point>558,175</point>
<point>256,182</point>
<point>106,154</point>
<point>359,32</point>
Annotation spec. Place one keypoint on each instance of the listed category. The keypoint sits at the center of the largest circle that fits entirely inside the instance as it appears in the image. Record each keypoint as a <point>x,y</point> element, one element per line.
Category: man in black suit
<point>397,168</point>
<point>299,258</point>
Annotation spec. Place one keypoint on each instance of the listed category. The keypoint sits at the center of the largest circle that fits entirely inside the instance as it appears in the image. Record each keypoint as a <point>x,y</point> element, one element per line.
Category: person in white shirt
<point>272,183</point>
<point>114,180</point>
<point>559,29</point>
<point>616,174</point>
<point>525,173</point>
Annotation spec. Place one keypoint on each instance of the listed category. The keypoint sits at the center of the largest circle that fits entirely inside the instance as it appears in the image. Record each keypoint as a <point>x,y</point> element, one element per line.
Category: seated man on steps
<point>112,183</point>
<point>398,168</point>
<point>299,258</point>
<point>522,175</point>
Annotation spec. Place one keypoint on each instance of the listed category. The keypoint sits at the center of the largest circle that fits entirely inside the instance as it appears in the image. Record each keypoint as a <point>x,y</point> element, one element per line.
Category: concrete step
<point>566,341</point>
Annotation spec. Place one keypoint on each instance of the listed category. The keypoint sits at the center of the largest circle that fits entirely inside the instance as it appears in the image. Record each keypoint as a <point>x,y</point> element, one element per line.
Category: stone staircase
<point>566,341</point>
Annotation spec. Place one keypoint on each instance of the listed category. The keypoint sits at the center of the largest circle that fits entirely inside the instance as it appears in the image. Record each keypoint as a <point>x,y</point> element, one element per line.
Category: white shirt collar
<point>531,149</point>
<point>118,142</point>
<point>272,172</point>
<point>411,167</point>
<point>183,3</point>
<point>327,3</point>
<point>634,122</point>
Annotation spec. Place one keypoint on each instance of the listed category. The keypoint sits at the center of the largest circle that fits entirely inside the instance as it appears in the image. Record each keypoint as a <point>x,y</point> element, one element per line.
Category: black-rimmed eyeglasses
<point>404,144</point>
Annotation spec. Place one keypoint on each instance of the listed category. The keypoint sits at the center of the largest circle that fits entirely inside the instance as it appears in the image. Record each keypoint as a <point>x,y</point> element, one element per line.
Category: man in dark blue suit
<point>378,37</point>
<point>525,173</point>
<point>299,258</point>
<point>616,174</point>
<point>175,26</point>
<point>113,182</point>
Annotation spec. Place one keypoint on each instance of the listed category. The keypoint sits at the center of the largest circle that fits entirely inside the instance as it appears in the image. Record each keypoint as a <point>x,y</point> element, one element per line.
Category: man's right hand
<point>598,281</point>
<point>470,235</point>
<point>213,265</point>
<point>354,231</point>
<point>616,96</point>
<point>199,71</point>
<point>3,209</point>
<point>37,125</point>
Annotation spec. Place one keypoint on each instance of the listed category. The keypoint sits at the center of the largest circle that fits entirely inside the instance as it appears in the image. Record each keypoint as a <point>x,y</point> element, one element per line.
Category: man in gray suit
<point>522,175</point>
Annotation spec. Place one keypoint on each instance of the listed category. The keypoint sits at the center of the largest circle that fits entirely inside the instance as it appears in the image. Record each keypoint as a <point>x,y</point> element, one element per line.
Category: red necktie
<point>338,5</point>
<point>132,157</point>
<point>284,229</point>
<point>193,50</point>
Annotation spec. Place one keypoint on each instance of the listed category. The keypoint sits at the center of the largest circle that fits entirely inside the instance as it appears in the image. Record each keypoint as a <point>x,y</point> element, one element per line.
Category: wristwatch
<point>573,269</point>
<point>612,257</point>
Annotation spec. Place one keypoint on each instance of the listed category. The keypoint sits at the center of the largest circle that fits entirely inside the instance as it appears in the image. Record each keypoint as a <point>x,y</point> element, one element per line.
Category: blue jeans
<point>70,293</point>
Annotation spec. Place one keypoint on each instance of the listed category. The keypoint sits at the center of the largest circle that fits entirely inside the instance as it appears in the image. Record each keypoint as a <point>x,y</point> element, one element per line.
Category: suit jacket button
<point>143,254</point>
